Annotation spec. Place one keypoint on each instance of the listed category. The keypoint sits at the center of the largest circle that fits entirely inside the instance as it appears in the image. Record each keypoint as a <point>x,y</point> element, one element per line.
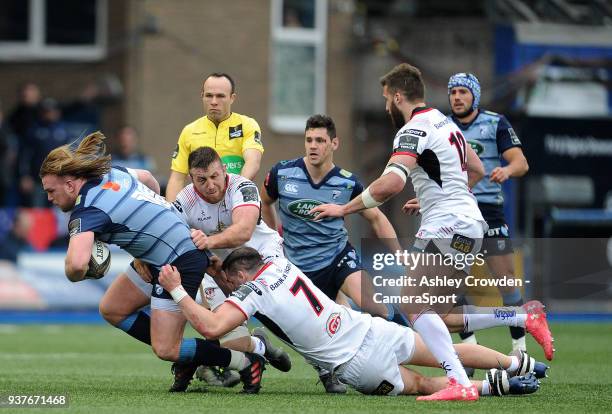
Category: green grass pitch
<point>104,371</point>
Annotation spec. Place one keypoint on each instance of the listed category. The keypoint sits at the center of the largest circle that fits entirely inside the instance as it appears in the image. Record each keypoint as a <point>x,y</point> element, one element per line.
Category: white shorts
<point>375,367</point>
<point>456,235</point>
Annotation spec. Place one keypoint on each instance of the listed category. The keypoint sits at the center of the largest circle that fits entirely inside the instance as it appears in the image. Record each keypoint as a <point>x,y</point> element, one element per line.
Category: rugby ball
<point>99,262</point>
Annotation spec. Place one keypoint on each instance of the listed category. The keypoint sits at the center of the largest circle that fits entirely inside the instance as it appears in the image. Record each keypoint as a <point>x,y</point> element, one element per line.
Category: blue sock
<point>203,352</point>
<point>138,326</point>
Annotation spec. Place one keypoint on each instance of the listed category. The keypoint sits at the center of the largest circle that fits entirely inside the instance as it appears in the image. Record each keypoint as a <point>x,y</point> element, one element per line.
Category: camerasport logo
<point>333,323</point>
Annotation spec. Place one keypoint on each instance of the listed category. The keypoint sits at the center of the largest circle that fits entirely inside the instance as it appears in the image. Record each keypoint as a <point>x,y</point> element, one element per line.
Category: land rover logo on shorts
<point>300,208</point>
<point>333,323</point>
<point>477,147</point>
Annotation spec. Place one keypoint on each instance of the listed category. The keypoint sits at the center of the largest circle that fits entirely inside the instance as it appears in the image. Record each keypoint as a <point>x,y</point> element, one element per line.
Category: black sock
<point>211,354</point>
<point>138,326</point>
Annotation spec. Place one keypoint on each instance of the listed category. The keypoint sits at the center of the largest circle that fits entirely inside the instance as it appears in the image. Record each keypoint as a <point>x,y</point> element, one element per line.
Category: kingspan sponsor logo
<point>301,208</point>
<point>504,313</point>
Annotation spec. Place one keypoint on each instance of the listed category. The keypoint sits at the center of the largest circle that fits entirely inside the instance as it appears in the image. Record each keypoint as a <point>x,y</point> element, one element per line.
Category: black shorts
<point>192,266</point>
<point>330,278</point>
<point>497,241</point>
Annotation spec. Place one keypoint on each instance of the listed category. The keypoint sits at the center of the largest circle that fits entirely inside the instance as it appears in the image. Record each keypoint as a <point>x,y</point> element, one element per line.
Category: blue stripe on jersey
<point>308,244</point>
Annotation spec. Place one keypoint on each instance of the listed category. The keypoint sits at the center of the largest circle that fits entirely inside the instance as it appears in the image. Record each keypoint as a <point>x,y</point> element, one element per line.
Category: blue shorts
<point>497,241</point>
<point>330,278</point>
<point>191,266</point>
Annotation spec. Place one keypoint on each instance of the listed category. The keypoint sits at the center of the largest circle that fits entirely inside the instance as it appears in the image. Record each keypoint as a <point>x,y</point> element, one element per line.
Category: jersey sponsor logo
<point>441,124</point>
<point>333,324</point>
<point>418,132</point>
<point>301,208</point>
<point>257,137</point>
<point>175,152</point>
<point>407,143</point>
<point>249,193</point>
<point>74,227</point>
<point>177,205</point>
<point>477,147</point>
<point>345,173</point>
<point>110,185</point>
<point>513,137</point>
<point>242,292</point>
<point>254,288</point>
<point>496,231</point>
<point>384,388</point>
<point>461,243</point>
<point>235,132</point>
<point>291,188</point>
<point>159,289</point>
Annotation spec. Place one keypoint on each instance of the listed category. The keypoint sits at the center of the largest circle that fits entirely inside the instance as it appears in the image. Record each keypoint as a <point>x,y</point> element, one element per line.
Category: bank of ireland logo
<point>333,323</point>
<point>301,208</point>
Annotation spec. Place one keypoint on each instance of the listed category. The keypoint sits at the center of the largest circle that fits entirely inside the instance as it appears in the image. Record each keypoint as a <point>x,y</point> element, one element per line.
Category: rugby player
<point>110,204</point>
<point>431,150</point>
<point>366,352</point>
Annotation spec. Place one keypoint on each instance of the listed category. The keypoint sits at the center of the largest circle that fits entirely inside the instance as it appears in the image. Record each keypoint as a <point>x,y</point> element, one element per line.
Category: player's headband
<point>467,80</point>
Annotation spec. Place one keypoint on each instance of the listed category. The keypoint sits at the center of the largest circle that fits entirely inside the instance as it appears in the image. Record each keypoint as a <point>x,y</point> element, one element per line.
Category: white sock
<point>477,317</point>
<point>470,339</point>
<point>519,344</point>
<point>258,346</point>
<point>486,389</point>
<point>437,338</point>
<point>239,361</point>
<point>514,364</point>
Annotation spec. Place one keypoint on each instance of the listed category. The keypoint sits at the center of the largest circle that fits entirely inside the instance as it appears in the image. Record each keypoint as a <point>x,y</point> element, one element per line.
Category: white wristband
<point>368,200</point>
<point>178,293</point>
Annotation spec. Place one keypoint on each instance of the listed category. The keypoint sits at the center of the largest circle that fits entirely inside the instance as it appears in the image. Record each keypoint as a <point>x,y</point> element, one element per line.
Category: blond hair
<point>88,160</point>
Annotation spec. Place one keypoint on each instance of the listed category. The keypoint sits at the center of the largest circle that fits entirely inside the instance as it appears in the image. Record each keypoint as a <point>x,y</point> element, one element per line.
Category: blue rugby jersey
<point>121,210</point>
<point>310,245</point>
<point>489,134</point>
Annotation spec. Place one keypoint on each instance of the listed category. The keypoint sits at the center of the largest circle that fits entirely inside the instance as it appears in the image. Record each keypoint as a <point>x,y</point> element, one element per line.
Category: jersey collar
<point>330,174</point>
<point>463,126</point>
<point>263,269</point>
<point>420,110</point>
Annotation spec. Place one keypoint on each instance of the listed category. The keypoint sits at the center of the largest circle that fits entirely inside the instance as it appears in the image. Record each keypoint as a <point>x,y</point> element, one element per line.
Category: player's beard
<point>397,118</point>
<point>463,114</point>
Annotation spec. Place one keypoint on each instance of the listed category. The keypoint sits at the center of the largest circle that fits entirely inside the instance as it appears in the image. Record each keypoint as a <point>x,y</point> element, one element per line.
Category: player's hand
<point>412,207</point>
<point>214,266</point>
<point>143,270</point>
<point>199,239</point>
<point>327,210</point>
<point>499,175</point>
<point>169,277</point>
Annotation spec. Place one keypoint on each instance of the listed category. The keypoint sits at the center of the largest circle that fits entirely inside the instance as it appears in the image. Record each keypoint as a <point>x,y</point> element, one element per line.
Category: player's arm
<point>382,227</point>
<point>244,220</point>
<point>252,162</point>
<point>475,168</point>
<point>268,212</point>
<point>145,177</point>
<point>208,324</point>
<point>390,183</point>
<point>176,182</point>
<point>78,255</point>
<point>517,165</point>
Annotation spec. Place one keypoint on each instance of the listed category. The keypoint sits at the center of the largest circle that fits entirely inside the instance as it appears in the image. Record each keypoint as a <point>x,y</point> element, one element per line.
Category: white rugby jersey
<point>214,218</point>
<point>440,178</point>
<point>287,302</point>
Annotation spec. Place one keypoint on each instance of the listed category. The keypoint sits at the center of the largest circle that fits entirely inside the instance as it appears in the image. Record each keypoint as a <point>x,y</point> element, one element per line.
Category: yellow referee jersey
<point>230,139</point>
